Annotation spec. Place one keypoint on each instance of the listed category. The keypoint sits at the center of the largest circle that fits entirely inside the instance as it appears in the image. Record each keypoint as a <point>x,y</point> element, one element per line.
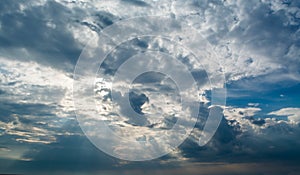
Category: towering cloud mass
<point>257,44</point>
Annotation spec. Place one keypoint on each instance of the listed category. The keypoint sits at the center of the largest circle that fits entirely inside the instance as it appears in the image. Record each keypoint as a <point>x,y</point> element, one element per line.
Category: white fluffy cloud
<point>293,114</point>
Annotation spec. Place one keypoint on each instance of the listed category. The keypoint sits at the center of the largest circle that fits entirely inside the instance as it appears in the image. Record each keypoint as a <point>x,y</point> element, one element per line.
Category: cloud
<point>236,34</point>
<point>244,135</point>
<point>253,38</point>
<point>37,31</point>
<point>293,114</point>
<point>258,42</point>
<point>238,37</point>
<point>35,103</point>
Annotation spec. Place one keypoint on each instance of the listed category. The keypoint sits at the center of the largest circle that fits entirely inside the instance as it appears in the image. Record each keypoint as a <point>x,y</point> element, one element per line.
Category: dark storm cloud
<point>231,144</point>
<point>220,145</point>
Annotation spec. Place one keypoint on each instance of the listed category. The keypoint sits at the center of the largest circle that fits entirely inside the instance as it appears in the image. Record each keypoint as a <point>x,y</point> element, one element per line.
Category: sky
<point>58,59</point>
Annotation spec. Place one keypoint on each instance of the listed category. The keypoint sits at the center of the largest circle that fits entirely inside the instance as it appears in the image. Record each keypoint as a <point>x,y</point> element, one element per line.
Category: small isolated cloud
<point>293,114</point>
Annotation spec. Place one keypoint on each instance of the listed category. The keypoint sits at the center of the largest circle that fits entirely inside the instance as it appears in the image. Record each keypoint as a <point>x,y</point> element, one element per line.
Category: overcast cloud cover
<point>258,42</point>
